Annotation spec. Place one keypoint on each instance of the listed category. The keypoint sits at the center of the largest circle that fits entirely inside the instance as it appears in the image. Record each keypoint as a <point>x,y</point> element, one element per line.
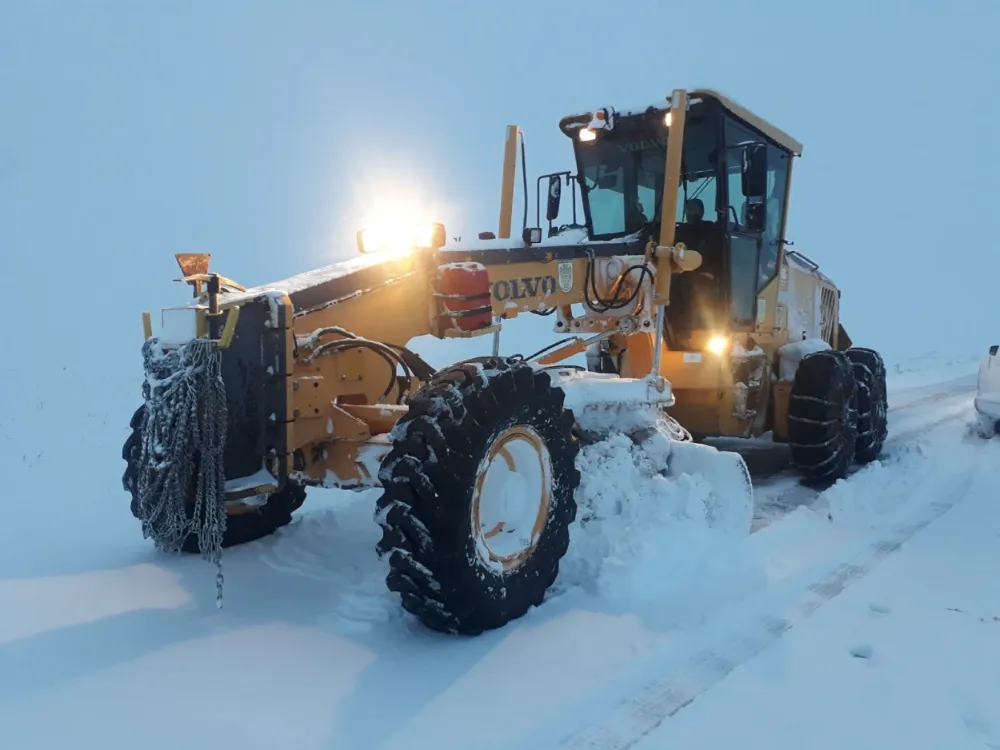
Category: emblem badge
<point>565,274</point>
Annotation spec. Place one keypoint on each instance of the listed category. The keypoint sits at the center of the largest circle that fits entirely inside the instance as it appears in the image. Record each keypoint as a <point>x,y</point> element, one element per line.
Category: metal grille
<point>828,313</point>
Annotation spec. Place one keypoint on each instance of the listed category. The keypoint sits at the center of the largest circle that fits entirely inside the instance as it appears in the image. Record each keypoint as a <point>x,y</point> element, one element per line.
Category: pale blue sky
<point>264,131</point>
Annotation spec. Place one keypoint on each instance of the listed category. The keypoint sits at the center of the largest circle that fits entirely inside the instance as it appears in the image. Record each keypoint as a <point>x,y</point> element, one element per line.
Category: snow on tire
<point>247,524</point>
<point>478,495</point>
<point>873,406</point>
<point>823,415</point>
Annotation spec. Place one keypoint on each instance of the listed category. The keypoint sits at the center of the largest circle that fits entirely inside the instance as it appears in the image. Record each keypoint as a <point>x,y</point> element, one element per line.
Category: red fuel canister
<point>464,290</point>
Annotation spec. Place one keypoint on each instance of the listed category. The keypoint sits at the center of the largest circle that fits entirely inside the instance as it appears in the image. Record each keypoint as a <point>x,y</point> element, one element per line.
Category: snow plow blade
<point>607,404</point>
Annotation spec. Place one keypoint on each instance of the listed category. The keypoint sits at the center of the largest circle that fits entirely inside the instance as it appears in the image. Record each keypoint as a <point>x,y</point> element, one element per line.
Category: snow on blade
<point>654,513</point>
<point>603,403</point>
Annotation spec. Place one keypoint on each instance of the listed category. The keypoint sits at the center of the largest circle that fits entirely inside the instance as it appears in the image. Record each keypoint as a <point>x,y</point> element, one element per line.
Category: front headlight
<point>718,344</point>
<point>390,238</point>
<point>601,120</point>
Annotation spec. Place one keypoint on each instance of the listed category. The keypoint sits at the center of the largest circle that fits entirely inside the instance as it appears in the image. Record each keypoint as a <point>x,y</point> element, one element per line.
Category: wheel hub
<point>511,498</point>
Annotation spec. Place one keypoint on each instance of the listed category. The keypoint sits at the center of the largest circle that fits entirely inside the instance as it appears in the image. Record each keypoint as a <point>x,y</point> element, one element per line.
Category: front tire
<point>823,415</point>
<point>873,406</point>
<point>473,438</point>
<point>246,525</point>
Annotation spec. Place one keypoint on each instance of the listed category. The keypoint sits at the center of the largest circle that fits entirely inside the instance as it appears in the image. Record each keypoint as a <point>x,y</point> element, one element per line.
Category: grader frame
<point>321,389</point>
<point>329,411</point>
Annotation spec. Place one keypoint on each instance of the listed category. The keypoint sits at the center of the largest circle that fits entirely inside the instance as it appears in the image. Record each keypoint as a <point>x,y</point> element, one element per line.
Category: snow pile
<point>791,354</point>
<point>648,526</point>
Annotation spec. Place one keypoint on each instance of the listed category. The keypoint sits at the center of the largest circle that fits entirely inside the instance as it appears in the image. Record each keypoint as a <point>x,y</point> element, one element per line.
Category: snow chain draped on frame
<point>184,422</point>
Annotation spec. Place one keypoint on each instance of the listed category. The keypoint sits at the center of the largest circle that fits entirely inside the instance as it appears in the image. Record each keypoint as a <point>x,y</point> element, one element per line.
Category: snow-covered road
<point>811,556</point>
<point>913,412</point>
<point>655,611</point>
<point>904,657</point>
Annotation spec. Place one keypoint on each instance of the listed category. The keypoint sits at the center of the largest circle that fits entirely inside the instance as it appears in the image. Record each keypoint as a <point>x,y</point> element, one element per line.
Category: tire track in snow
<point>770,463</point>
<point>779,494</point>
<point>644,711</point>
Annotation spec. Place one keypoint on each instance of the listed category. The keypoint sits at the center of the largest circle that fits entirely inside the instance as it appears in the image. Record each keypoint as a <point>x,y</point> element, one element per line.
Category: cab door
<point>745,223</point>
<point>746,207</point>
<point>744,254</point>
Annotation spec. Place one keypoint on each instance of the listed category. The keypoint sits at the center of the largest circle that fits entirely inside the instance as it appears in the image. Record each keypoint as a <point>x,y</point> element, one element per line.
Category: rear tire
<point>823,415</point>
<point>465,426</point>
<point>247,526</point>
<point>873,406</point>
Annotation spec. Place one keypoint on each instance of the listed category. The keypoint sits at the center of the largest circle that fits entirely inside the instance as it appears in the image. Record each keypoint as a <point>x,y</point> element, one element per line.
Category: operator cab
<point>731,202</point>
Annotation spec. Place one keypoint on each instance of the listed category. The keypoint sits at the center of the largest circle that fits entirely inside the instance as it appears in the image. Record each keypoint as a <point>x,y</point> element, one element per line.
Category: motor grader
<point>676,287</point>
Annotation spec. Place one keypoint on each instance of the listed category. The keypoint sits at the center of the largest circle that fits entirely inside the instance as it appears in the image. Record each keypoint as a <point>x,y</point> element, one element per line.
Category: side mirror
<point>755,170</point>
<point>993,350</point>
<point>555,197</point>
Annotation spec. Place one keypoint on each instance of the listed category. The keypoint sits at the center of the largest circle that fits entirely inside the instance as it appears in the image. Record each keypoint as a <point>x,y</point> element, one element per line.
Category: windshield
<point>623,181</point>
<point>622,176</point>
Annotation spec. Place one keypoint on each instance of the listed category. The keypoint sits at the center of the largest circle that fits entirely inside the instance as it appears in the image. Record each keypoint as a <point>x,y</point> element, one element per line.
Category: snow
<point>308,279</point>
<point>178,325</point>
<point>600,401</point>
<point>686,613</point>
<point>862,616</point>
<point>569,236</point>
<point>923,622</point>
<point>632,515</point>
<point>663,598</point>
<point>315,277</point>
<point>663,103</point>
<point>466,266</point>
<point>260,478</point>
<point>790,355</point>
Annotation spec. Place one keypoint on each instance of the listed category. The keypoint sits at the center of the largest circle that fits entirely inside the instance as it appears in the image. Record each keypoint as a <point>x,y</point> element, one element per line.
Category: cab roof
<point>571,123</point>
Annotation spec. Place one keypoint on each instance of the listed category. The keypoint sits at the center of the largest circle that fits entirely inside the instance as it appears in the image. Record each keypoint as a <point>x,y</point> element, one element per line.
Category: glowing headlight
<point>587,135</point>
<point>667,118</point>
<point>718,344</point>
<point>401,239</point>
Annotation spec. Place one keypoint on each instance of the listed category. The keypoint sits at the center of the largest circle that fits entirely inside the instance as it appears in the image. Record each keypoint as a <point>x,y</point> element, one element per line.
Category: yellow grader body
<point>252,395</point>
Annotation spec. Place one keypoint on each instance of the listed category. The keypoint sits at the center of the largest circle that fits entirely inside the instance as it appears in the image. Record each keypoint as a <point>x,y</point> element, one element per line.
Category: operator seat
<point>704,236</point>
<point>700,291</point>
<point>698,233</point>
